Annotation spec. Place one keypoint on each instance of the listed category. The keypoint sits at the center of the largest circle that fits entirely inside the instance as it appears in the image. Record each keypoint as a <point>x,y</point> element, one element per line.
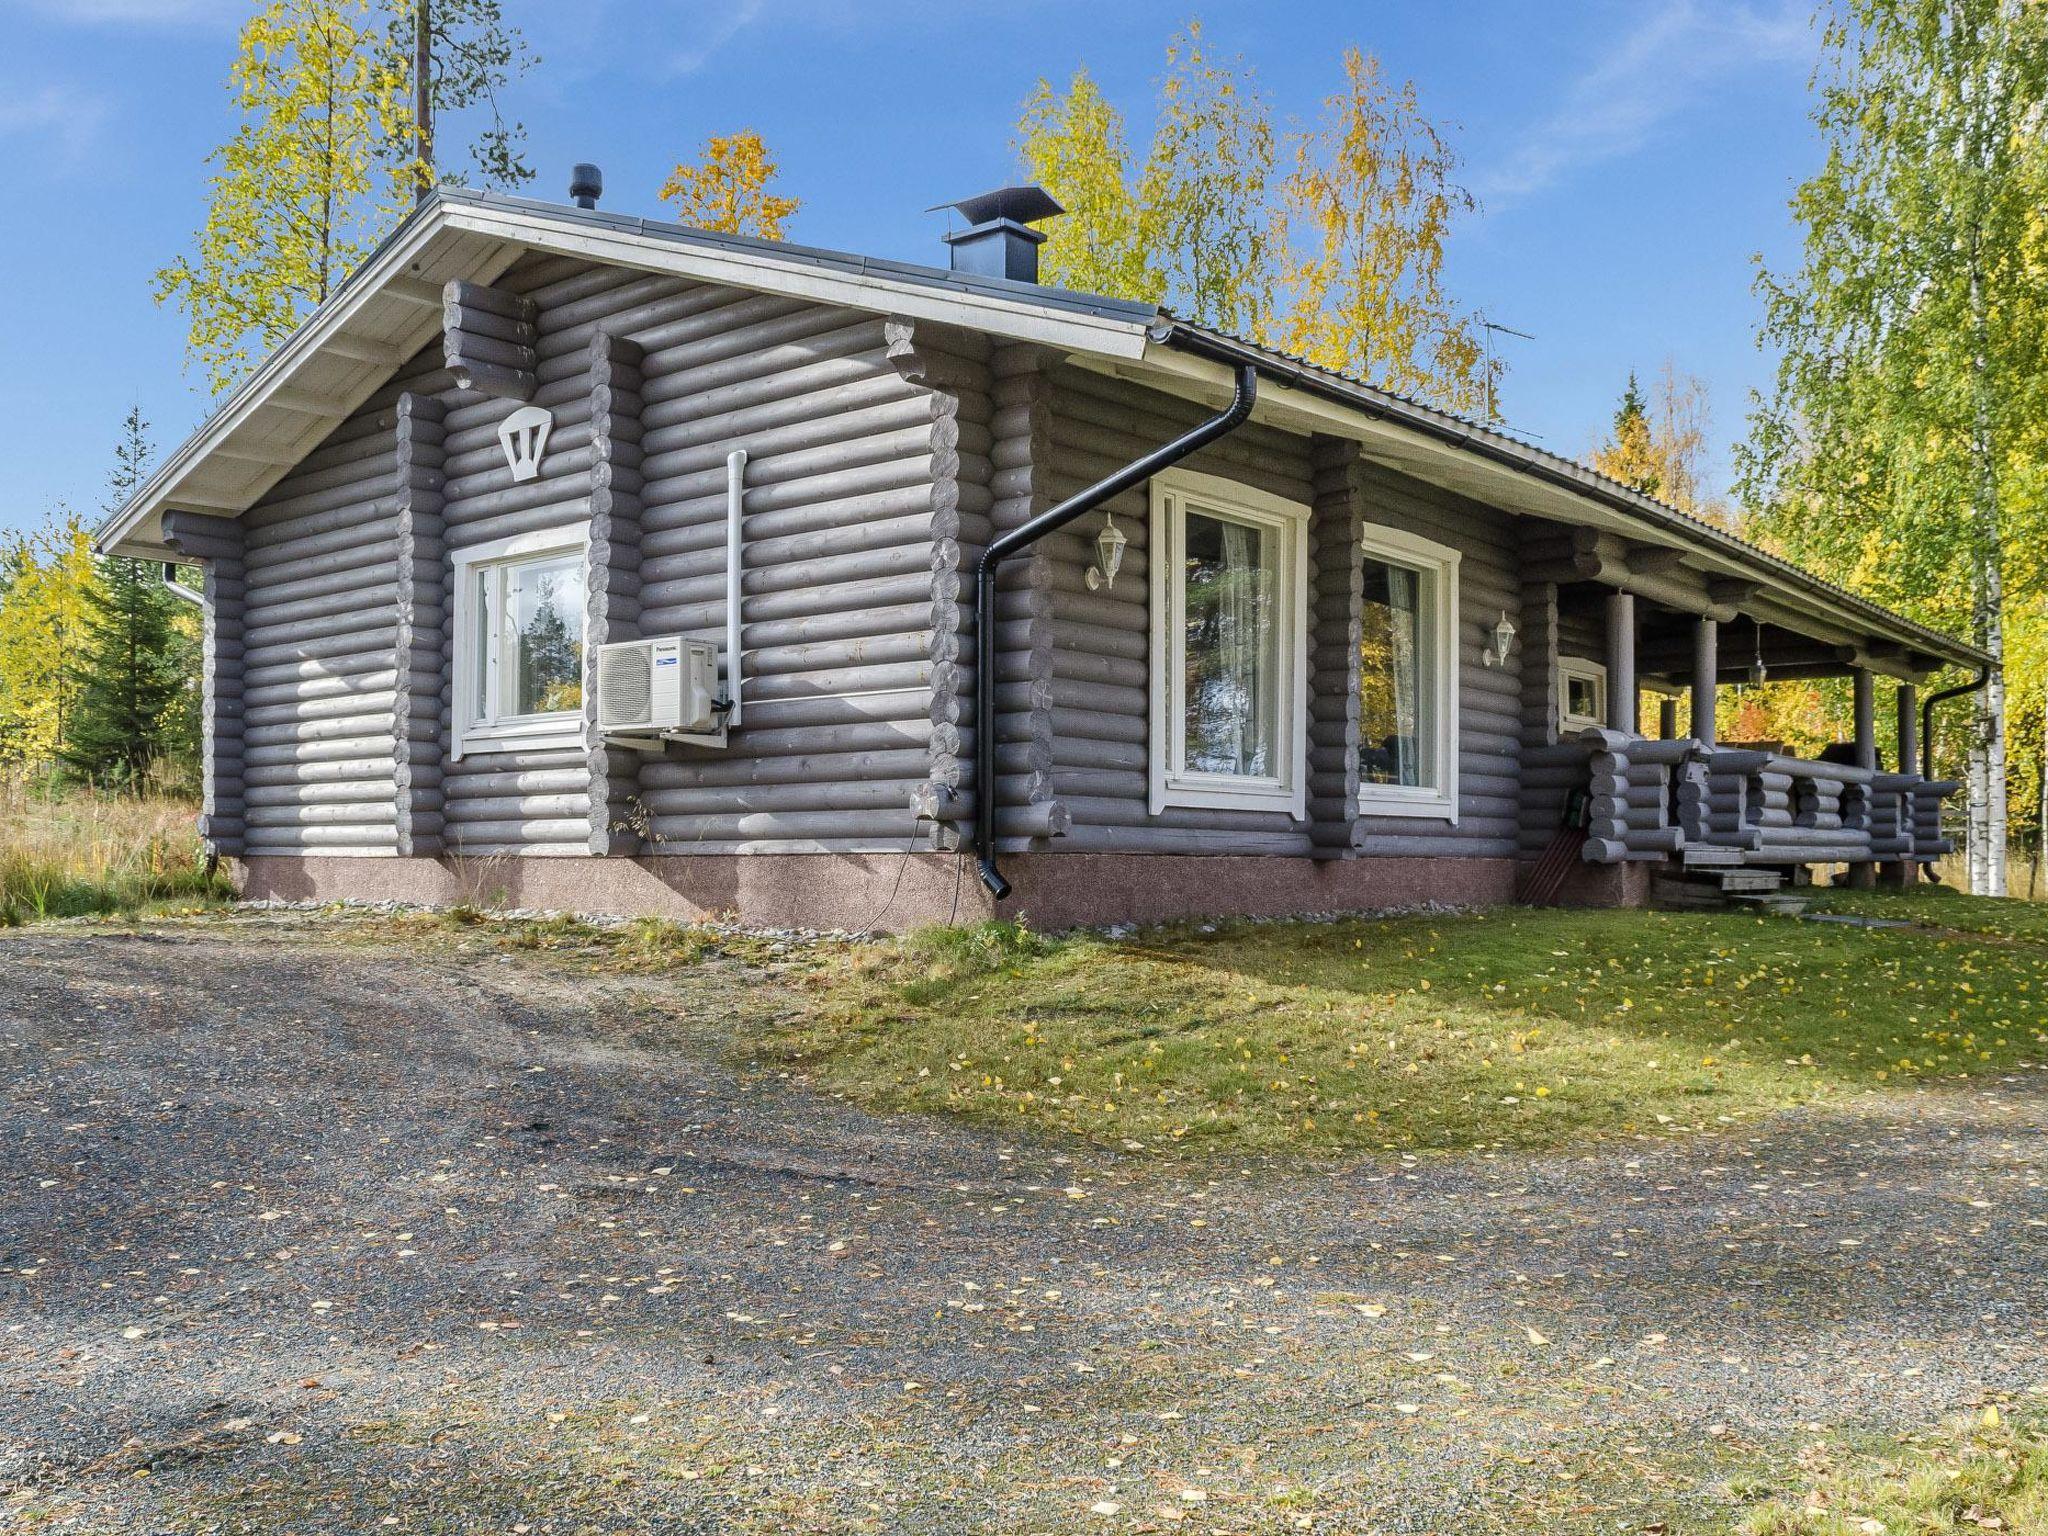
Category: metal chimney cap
<point>586,185</point>
<point>1023,205</point>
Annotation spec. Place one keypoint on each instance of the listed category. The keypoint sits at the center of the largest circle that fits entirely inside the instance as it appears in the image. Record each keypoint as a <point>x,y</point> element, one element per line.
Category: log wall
<point>1095,688</point>
<point>320,663</point>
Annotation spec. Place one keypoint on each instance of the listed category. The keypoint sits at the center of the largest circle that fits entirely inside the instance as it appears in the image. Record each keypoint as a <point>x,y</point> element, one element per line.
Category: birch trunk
<point>1987,769</point>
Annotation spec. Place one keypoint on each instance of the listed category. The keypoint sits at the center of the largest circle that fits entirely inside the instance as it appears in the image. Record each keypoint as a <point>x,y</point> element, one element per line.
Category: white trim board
<point>1167,783</point>
<point>1439,563</point>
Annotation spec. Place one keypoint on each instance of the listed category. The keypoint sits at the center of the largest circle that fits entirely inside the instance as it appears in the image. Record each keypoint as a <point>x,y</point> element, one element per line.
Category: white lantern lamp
<point>1503,641</point>
<point>1109,554</point>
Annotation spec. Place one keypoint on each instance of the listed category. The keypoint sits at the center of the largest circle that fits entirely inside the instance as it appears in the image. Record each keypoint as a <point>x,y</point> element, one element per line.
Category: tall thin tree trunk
<point>2041,813</point>
<point>1987,788</point>
<point>423,97</point>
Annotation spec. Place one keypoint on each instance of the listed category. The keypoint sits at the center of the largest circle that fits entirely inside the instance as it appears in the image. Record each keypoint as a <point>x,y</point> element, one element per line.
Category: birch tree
<point>727,191</point>
<point>1911,334</point>
<point>337,101</point>
<point>1322,237</point>
<point>299,193</point>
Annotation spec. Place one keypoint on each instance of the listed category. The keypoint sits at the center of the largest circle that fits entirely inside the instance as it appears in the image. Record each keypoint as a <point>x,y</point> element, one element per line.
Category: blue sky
<point>1631,157</point>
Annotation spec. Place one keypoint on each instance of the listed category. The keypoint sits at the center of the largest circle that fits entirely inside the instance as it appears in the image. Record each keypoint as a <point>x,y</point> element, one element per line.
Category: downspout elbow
<point>1243,398</point>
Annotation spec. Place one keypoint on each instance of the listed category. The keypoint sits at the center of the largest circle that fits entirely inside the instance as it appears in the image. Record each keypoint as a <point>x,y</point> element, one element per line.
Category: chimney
<point>999,240</point>
<point>586,185</point>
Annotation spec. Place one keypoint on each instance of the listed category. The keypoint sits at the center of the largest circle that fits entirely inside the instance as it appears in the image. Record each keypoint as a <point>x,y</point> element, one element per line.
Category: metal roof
<point>389,307</point>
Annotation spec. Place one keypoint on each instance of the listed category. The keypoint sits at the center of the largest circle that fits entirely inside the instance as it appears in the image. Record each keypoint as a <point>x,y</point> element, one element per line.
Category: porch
<point>1744,816</point>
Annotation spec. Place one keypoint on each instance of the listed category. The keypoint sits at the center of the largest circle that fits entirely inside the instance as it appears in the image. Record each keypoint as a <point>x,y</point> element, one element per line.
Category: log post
<point>422,605</point>
<point>1621,662</point>
<point>1706,653</point>
<point>1336,598</point>
<point>1909,729</point>
<point>1863,874</point>
<point>1667,718</point>
<point>216,543</point>
<point>612,602</point>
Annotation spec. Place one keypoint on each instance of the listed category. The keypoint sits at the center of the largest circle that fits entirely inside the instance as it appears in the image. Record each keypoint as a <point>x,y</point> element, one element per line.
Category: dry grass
<point>79,854</point>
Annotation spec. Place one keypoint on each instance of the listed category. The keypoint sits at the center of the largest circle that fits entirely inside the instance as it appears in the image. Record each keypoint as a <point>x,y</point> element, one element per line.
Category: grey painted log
<point>613,607</point>
<point>418,605</point>
<point>488,341</point>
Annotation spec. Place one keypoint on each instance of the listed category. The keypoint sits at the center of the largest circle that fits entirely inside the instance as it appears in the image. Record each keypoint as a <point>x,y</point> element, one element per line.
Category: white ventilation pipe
<point>735,480</point>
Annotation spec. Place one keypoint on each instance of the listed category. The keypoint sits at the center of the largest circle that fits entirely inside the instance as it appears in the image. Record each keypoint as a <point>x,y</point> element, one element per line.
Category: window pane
<point>544,635</point>
<point>1582,698</point>
<point>1231,657</point>
<point>482,595</point>
<point>1395,686</point>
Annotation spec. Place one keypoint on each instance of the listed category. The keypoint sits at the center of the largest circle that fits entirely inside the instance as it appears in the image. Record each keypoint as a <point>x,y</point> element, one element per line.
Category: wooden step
<point>1697,856</point>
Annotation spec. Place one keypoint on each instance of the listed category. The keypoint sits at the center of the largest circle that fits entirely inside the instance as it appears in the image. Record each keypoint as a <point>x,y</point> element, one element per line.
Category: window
<point>1408,678</point>
<point>519,644</point>
<point>1229,646</point>
<point>1581,694</point>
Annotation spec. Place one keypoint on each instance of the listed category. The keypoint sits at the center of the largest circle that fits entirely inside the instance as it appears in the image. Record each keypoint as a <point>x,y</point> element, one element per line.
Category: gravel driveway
<point>302,1234</point>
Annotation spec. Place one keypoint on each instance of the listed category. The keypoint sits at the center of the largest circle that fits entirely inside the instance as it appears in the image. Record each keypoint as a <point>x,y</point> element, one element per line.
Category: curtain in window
<point>1405,599</point>
<point>1229,659</point>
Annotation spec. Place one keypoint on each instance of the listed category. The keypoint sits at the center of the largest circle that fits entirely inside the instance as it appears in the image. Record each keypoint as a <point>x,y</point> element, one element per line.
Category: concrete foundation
<point>892,891</point>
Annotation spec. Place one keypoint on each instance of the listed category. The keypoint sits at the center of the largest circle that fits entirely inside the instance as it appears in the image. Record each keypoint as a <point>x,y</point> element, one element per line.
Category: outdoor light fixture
<point>1503,640</point>
<point>1109,554</point>
<point>1757,670</point>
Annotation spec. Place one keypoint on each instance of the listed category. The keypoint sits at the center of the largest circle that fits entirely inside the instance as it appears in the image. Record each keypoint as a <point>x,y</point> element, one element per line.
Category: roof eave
<point>1376,407</point>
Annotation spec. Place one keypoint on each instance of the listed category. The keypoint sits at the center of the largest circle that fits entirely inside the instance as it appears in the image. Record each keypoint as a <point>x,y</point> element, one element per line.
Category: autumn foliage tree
<point>44,577</point>
<point>325,157</point>
<point>1325,239</point>
<point>1900,449</point>
<point>727,190</point>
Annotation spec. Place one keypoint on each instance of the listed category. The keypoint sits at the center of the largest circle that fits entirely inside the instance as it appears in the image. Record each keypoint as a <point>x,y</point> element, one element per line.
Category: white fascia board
<point>993,314</point>
<point>272,377</point>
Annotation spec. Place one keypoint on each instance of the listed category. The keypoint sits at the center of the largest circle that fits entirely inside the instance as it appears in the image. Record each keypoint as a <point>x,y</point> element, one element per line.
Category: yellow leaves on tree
<point>44,577</point>
<point>1373,186</point>
<point>1659,445</point>
<point>1325,240</point>
<point>299,194</point>
<point>727,190</point>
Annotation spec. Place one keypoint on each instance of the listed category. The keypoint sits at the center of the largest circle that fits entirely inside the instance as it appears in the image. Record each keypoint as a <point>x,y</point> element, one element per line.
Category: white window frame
<point>474,735</point>
<point>1173,493</point>
<point>1438,565</point>
<point>1572,669</point>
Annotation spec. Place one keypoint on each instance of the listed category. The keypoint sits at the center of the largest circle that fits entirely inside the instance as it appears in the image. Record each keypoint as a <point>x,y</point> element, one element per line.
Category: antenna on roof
<point>1489,327</point>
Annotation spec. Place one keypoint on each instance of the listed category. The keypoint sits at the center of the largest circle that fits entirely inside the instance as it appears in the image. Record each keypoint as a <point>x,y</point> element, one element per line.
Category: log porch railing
<point>1653,801</point>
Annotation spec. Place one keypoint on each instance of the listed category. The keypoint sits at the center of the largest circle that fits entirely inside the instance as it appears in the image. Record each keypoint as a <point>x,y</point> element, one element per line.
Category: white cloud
<point>1670,59</point>
<point>695,54</point>
<point>67,120</point>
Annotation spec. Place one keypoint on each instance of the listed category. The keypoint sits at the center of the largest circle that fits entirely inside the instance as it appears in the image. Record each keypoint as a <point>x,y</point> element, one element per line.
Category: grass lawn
<point>1937,906</point>
<point>1983,1473</point>
<point>1513,1028</point>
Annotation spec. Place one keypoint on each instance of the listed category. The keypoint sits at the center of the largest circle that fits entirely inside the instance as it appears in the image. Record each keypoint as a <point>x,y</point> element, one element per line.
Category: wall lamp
<point>1109,554</point>
<point>1503,641</point>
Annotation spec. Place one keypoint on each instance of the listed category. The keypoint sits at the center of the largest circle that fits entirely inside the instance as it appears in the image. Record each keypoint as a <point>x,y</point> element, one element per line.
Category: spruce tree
<point>134,665</point>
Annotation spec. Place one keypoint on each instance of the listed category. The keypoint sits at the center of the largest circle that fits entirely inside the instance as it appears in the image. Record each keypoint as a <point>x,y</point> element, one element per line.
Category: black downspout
<point>1008,544</point>
<point>1927,718</point>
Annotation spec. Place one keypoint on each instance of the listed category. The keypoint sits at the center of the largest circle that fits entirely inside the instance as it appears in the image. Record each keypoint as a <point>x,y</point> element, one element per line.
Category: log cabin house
<point>571,560</point>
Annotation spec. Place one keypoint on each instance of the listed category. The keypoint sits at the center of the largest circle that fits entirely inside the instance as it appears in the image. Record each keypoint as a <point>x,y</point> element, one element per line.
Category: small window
<point>1408,678</point>
<point>519,644</point>
<point>1229,667</point>
<point>1581,694</point>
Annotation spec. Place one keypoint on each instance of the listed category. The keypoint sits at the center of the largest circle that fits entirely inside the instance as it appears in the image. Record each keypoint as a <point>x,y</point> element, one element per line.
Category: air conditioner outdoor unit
<point>666,687</point>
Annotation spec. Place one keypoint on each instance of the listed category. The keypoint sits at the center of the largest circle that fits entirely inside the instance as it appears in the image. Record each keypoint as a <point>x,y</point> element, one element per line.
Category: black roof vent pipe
<point>586,185</point>
<point>999,240</point>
